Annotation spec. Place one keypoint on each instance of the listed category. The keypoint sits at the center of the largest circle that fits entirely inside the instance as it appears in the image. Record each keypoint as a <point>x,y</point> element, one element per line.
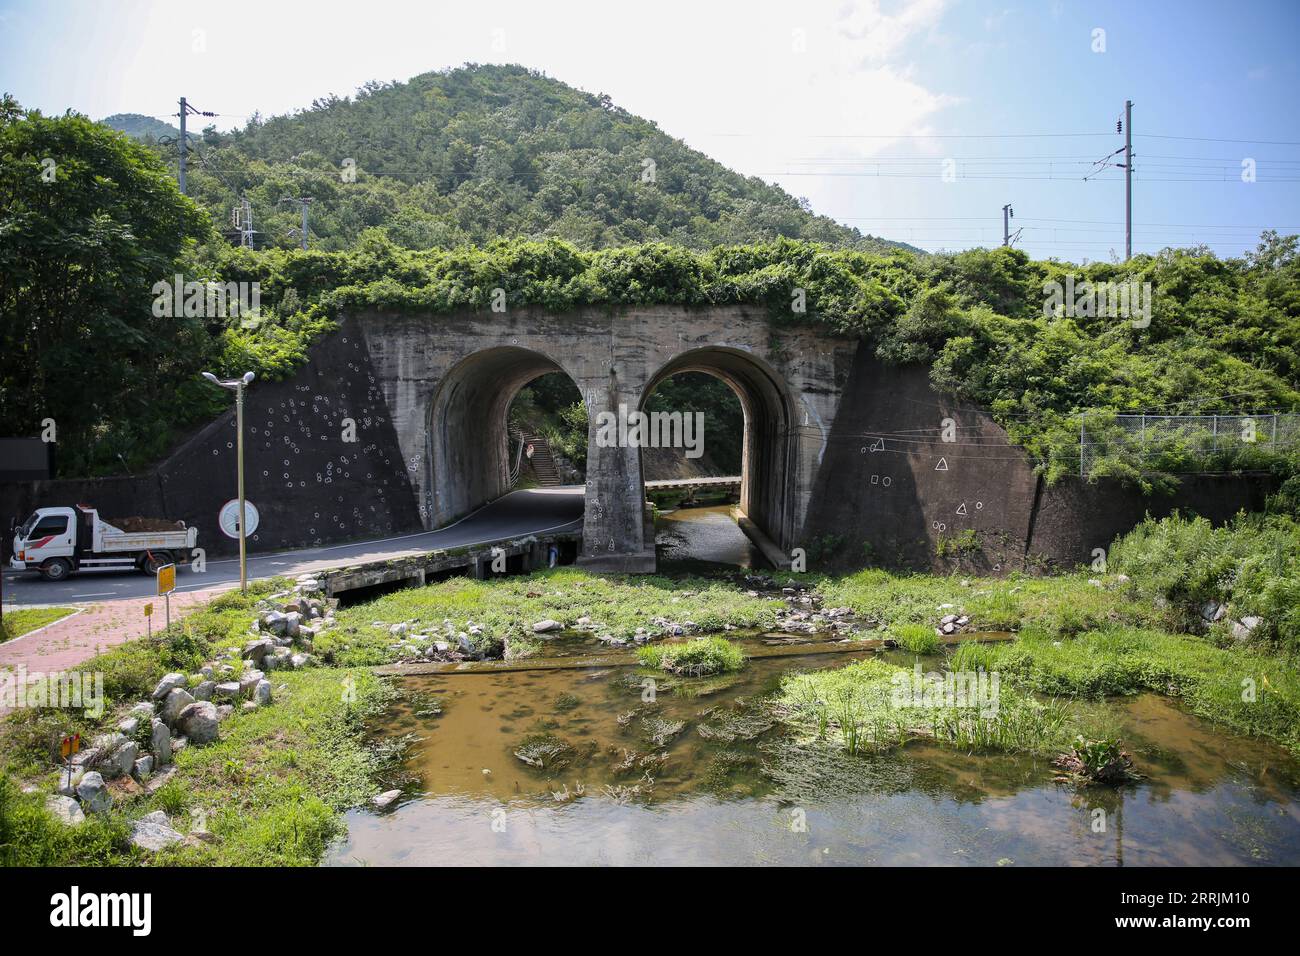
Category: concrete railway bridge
<point>398,424</point>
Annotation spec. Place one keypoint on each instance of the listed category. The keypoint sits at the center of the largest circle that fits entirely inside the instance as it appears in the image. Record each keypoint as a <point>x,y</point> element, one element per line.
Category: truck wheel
<point>155,560</point>
<point>56,569</point>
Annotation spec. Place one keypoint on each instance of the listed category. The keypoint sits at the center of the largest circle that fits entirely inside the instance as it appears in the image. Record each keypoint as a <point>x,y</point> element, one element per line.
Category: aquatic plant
<point>1097,761</point>
<point>917,638</point>
<point>697,658</point>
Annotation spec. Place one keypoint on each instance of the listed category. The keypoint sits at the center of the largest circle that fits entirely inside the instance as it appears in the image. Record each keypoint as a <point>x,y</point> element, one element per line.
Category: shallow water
<point>1207,797</point>
<point>705,534</point>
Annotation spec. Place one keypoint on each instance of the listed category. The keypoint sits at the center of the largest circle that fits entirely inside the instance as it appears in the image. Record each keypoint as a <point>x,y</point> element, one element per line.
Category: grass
<point>917,638</point>
<point>862,708</point>
<point>1249,689</point>
<point>22,621</point>
<point>507,608</point>
<point>271,789</point>
<point>698,658</point>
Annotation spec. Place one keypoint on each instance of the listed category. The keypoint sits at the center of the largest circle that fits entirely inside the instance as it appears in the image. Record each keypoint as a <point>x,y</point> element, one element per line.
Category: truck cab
<point>48,534</point>
<point>57,541</point>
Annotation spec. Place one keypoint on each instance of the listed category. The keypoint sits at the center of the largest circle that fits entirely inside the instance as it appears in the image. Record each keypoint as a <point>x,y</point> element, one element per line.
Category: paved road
<point>518,513</point>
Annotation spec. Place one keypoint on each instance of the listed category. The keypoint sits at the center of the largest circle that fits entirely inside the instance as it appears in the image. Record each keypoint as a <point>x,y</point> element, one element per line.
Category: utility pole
<point>305,201</point>
<point>1128,180</point>
<point>1006,224</point>
<point>185,111</point>
<point>237,385</point>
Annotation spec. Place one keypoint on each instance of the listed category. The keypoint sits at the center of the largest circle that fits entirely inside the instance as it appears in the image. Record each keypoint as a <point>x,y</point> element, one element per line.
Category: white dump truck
<point>58,541</point>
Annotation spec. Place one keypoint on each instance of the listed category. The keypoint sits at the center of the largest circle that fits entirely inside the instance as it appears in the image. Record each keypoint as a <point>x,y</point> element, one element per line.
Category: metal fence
<point>1187,443</point>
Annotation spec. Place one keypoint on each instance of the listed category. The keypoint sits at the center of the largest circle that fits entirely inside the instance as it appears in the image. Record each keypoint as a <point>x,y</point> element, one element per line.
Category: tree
<point>89,222</point>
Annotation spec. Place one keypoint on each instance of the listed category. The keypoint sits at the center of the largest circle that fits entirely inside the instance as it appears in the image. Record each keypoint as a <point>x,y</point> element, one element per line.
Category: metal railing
<point>1187,443</point>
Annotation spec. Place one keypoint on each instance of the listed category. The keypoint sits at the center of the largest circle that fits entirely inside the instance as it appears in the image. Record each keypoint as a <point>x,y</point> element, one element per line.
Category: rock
<point>153,832</point>
<point>948,619</point>
<point>398,630</point>
<point>169,683</point>
<point>262,693</point>
<point>68,780</point>
<point>256,650</point>
<point>198,722</point>
<point>175,702</point>
<point>385,799</point>
<point>143,767</point>
<point>274,622</point>
<point>179,744</point>
<point>159,780</point>
<point>300,661</point>
<point>292,620</point>
<point>160,742</point>
<point>1212,611</point>
<point>86,759</point>
<point>206,671</point>
<point>1122,579</point>
<point>546,626</point>
<point>1242,630</point>
<point>66,810</point>
<point>228,690</point>
<point>129,727</point>
<point>248,680</point>
<point>93,793</point>
<point>949,628</point>
<point>142,711</point>
<point>224,711</point>
<point>205,690</point>
<point>124,759</point>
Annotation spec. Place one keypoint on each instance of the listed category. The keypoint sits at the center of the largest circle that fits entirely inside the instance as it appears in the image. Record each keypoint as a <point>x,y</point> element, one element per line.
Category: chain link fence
<point>1182,444</point>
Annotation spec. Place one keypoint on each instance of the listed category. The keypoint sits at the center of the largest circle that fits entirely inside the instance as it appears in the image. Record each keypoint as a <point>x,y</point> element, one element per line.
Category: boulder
<point>228,690</point>
<point>546,626</point>
<point>143,767</point>
<point>153,832</point>
<point>124,759</point>
<point>65,809</point>
<point>159,780</point>
<point>1242,630</point>
<point>176,701</point>
<point>291,622</point>
<point>129,727</point>
<point>205,690</point>
<point>262,693</point>
<point>169,683</point>
<point>198,722</point>
<point>385,799</point>
<point>68,780</point>
<point>1212,611</point>
<point>93,793</point>
<point>224,711</point>
<point>160,742</point>
<point>256,650</point>
<point>248,680</point>
<point>143,710</point>
<point>273,621</point>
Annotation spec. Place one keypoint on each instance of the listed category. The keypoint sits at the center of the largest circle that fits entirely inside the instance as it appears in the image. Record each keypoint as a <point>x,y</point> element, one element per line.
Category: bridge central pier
<point>448,381</point>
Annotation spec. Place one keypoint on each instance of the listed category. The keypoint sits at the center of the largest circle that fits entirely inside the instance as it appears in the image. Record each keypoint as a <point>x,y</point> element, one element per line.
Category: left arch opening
<point>471,459</point>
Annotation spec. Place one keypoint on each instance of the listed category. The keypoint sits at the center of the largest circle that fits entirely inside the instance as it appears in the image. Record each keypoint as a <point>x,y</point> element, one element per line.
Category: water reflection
<point>699,776</point>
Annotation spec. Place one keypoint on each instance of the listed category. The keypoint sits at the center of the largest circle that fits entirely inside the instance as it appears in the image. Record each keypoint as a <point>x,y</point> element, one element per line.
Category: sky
<point>915,120</point>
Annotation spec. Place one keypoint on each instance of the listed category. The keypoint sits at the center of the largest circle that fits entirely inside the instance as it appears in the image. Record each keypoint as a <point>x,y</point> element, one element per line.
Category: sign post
<point>166,585</point>
<point>148,618</point>
<point>67,747</point>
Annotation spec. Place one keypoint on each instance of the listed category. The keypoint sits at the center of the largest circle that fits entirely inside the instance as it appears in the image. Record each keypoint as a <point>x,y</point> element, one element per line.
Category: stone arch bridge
<point>844,457</point>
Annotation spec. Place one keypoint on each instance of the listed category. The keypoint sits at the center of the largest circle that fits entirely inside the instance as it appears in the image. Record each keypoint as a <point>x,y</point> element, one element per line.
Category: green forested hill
<point>139,126</point>
<point>477,153</point>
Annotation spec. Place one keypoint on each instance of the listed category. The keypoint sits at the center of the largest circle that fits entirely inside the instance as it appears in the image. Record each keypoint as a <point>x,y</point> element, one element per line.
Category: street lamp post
<point>237,385</point>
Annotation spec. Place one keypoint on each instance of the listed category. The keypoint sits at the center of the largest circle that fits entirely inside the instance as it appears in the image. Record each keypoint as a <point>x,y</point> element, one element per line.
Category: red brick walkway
<point>80,637</point>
